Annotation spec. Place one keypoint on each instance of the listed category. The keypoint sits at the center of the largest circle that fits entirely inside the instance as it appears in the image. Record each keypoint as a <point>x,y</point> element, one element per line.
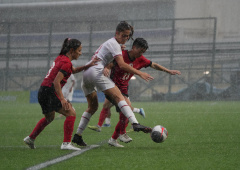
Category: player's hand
<point>106,72</point>
<point>65,104</point>
<point>146,76</point>
<point>123,47</point>
<point>174,72</point>
<point>94,61</point>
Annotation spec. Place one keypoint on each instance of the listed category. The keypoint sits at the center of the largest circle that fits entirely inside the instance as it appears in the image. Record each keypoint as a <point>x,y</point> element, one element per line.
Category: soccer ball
<point>159,134</point>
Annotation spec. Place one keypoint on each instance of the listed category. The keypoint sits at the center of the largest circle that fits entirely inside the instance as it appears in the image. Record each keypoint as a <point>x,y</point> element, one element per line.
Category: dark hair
<point>123,25</point>
<point>68,44</point>
<point>140,43</point>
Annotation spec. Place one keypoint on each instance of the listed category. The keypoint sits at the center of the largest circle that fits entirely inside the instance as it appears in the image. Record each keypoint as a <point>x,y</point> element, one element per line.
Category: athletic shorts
<point>93,80</point>
<point>48,99</point>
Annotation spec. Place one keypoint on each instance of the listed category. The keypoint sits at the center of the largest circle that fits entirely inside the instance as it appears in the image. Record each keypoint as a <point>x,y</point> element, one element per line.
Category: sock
<point>123,123</point>
<point>68,128</point>
<point>108,120</point>
<point>117,130</point>
<point>127,111</point>
<point>38,128</point>
<point>83,122</point>
<point>103,116</point>
<point>136,110</point>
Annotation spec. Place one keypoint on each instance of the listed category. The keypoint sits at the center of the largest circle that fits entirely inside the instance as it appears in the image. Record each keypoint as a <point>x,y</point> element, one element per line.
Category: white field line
<point>63,158</point>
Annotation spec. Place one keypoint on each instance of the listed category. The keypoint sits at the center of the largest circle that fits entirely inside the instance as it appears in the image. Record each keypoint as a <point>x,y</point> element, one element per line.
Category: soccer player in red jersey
<point>121,78</point>
<point>50,95</point>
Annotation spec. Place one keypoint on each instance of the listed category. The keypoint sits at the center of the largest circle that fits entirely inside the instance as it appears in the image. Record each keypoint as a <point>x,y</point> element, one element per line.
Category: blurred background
<point>199,38</point>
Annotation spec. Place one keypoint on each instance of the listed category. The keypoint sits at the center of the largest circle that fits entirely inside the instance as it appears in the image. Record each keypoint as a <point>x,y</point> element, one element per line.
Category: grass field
<point>202,135</point>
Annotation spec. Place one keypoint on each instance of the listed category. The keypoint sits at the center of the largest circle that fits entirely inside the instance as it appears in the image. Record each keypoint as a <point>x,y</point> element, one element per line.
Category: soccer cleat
<point>30,142</point>
<point>78,140</point>
<point>69,146</point>
<point>106,125</point>
<point>137,127</point>
<point>115,143</point>
<point>124,138</point>
<point>96,128</point>
<point>142,113</point>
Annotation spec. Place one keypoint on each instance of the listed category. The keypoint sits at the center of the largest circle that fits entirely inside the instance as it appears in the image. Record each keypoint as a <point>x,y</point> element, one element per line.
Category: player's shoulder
<point>63,58</point>
<point>141,58</point>
<point>112,41</point>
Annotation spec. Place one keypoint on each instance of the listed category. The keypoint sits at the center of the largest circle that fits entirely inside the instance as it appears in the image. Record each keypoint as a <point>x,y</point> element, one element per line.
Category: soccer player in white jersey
<point>68,88</point>
<point>94,79</point>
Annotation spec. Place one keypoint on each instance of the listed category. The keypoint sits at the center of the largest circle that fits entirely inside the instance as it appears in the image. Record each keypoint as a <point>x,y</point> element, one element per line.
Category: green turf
<point>202,135</point>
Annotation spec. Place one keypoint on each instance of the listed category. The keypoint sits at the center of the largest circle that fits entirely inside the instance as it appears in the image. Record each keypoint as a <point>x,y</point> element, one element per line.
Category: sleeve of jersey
<point>66,69</point>
<point>115,49</point>
<point>146,62</point>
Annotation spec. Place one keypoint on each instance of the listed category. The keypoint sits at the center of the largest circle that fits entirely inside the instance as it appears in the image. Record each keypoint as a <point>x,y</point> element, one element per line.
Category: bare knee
<point>92,103</point>
<point>92,109</point>
<point>50,117</point>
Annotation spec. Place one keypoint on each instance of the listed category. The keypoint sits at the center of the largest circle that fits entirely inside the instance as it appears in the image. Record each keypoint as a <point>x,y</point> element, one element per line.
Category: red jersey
<point>121,77</point>
<point>63,64</point>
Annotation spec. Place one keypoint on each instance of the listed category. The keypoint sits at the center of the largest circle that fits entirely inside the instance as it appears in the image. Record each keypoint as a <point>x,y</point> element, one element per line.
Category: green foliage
<point>202,135</point>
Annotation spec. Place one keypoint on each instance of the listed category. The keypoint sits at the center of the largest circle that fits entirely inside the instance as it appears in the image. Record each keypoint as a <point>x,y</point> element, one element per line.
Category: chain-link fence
<point>210,70</point>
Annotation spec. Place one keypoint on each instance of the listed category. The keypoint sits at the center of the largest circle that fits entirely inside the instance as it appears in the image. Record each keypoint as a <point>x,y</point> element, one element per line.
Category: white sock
<point>83,122</point>
<point>136,110</point>
<point>108,120</point>
<point>127,111</point>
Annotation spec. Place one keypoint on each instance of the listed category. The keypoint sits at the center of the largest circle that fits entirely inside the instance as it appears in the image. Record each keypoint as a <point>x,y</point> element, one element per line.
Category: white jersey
<point>71,83</point>
<point>93,77</point>
<point>107,52</point>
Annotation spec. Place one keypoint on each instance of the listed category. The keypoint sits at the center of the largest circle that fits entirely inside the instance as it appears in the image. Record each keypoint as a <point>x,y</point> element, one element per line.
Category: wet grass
<point>202,135</point>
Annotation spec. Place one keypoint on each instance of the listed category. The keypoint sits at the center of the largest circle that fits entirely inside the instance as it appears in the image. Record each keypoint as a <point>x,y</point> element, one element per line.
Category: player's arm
<point>107,68</point>
<point>161,68</point>
<point>124,66</point>
<point>58,90</point>
<point>81,68</point>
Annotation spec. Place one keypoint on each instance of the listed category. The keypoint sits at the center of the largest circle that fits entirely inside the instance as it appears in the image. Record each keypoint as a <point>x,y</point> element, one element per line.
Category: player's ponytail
<point>68,44</point>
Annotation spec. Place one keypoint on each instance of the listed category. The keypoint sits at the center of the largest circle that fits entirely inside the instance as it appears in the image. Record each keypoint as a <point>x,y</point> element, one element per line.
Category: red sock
<point>117,131</point>
<point>124,123</point>
<point>68,128</point>
<point>38,128</point>
<point>120,126</point>
<point>103,116</point>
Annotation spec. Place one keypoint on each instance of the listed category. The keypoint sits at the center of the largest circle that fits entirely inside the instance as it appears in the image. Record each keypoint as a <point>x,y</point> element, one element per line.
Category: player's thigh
<point>70,112</point>
<point>114,94</point>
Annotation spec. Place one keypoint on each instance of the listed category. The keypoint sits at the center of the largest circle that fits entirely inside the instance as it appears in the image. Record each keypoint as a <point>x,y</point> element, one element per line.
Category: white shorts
<point>93,80</point>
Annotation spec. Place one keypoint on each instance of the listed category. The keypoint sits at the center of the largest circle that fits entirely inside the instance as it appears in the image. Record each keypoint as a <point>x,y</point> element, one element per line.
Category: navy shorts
<point>48,99</point>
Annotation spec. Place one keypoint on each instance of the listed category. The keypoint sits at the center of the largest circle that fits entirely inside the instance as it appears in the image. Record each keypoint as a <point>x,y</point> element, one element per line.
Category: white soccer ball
<point>159,134</point>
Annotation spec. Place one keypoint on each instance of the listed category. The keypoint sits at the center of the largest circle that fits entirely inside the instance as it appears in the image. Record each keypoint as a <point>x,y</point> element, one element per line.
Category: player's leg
<point>123,124</point>
<point>45,98</point>
<point>140,111</point>
<point>103,114</point>
<point>92,108</point>
<point>117,98</point>
<point>68,127</point>
<point>108,117</point>
<point>42,123</point>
